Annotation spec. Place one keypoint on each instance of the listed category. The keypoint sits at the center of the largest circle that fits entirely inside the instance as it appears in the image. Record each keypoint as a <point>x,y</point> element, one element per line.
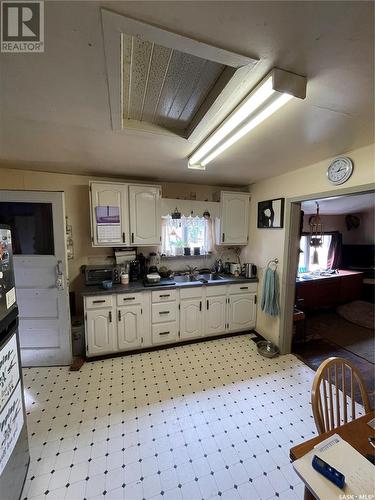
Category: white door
<point>129,327</point>
<point>190,318</point>
<point>100,332</point>
<point>145,223</point>
<point>241,311</point>
<point>37,221</point>
<point>234,218</point>
<point>215,314</point>
<point>109,197</point>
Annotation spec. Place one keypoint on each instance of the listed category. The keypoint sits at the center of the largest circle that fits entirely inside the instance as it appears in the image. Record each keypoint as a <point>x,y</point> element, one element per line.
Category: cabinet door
<point>100,332</point>
<point>234,218</point>
<point>190,318</point>
<point>215,315</point>
<point>129,327</point>
<point>110,195</point>
<point>145,223</point>
<point>242,311</point>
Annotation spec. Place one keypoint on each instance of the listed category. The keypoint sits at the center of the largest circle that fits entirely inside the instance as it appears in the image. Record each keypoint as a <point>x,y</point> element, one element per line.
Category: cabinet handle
<point>119,315</point>
<point>132,237</point>
<point>128,298</point>
<point>200,305</point>
<point>123,237</point>
<point>110,316</point>
<point>164,333</point>
<point>165,295</point>
<point>223,237</point>
<point>98,301</point>
<point>164,312</point>
<point>208,305</point>
<point>244,287</point>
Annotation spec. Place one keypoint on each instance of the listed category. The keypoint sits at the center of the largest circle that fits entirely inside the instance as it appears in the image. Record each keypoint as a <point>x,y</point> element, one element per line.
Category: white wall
<point>266,244</point>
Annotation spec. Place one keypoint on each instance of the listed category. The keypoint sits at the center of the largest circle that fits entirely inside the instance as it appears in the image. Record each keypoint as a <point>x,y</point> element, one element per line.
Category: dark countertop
<point>138,286</point>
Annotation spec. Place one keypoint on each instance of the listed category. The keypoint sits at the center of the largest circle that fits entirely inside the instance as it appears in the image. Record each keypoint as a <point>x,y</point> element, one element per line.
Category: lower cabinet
<point>215,315</point>
<point>242,312</point>
<point>100,332</point>
<point>191,318</point>
<point>129,327</point>
<point>131,321</point>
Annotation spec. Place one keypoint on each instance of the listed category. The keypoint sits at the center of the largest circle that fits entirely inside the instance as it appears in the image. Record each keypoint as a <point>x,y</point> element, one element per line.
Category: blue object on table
<point>328,471</point>
<point>270,296</point>
<point>107,284</point>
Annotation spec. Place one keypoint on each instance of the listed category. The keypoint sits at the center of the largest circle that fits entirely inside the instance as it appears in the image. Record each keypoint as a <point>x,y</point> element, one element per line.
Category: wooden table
<point>356,433</point>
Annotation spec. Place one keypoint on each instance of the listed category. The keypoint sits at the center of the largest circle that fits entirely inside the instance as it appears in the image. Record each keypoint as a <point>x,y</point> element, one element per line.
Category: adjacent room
<point>335,283</point>
<point>187,241</point>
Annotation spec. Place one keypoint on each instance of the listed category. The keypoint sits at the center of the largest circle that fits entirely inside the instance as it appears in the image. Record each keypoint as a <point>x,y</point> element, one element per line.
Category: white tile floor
<point>206,420</point>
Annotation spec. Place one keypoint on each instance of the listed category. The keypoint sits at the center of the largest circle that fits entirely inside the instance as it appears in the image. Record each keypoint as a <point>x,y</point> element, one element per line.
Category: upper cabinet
<point>232,228</point>
<point>145,224</point>
<point>109,214</point>
<point>124,214</point>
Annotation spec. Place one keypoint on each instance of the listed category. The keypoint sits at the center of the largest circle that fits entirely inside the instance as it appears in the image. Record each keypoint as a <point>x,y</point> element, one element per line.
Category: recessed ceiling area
<point>340,205</point>
<point>163,86</point>
<point>56,108</point>
<point>160,81</point>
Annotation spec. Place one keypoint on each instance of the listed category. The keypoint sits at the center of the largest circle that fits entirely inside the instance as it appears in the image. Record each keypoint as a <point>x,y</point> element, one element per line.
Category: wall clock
<point>340,170</point>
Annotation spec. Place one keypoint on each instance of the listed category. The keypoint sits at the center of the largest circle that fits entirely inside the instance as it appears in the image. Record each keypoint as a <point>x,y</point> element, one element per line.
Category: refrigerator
<point>14,448</point>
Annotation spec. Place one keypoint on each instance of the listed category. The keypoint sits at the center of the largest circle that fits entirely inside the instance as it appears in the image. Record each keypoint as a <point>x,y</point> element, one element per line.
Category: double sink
<point>203,278</point>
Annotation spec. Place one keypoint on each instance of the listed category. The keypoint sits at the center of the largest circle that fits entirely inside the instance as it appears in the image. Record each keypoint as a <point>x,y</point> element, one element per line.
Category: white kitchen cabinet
<point>241,312</point>
<point>145,223</point>
<point>129,321</point>
<point>191,318</point>
<point>129,327</point>
<point>215,315</point>
<point>106,194</point>
<point>100,332</point>
<point>232,228</point>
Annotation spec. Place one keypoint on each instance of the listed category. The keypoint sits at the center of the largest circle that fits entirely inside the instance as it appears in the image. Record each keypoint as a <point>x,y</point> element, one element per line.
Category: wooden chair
<point>333,379</point>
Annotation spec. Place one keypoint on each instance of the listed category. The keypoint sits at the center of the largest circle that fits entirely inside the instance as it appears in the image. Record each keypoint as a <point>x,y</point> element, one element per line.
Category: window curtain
<point>185,228</point>
<point>165,243</point>
<point>210,236</point>
<point>335,251</point>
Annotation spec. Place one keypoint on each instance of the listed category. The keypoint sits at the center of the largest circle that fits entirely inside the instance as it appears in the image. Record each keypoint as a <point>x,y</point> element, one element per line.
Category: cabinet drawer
<point>164,295</point>
<point>215,291</point>
<point>164,333</point>
<point>98,301</point>
<point>188,293</point>
<point>129,298</point>
<point>164,312</point>
<point>243,288</point>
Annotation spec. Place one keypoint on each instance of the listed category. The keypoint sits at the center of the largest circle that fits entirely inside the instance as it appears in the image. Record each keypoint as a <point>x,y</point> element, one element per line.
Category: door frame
<point>59,237</point>
<point>290,257</point>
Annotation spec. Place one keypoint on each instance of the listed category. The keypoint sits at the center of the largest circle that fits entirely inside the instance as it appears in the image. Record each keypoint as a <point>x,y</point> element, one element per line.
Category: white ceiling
<point>339,205</point>
<point>55,109</point>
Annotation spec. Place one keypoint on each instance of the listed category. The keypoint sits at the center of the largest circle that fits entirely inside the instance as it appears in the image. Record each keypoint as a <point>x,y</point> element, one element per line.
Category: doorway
<point>331,280</point>
<point>37,222</point>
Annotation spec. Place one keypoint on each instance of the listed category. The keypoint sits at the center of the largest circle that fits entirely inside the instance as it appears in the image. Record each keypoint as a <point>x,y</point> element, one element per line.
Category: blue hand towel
<point>270,298</point>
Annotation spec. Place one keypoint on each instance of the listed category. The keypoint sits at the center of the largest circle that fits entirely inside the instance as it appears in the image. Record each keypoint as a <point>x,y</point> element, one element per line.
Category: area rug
<point>329,325</point>
<point>358,312</point>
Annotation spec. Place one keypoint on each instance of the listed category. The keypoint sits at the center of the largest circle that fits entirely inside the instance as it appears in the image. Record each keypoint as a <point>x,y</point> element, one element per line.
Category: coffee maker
<point>134,270</point>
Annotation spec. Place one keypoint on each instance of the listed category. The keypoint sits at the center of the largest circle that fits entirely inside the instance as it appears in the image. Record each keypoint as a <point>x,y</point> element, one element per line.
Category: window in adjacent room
<point>305,263</point>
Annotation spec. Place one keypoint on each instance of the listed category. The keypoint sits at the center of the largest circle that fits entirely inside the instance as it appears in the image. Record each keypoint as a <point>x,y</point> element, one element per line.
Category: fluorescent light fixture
<point>274,91</point>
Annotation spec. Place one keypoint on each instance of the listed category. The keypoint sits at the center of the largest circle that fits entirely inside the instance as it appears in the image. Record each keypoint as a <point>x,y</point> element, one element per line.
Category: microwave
<point>95,275</point>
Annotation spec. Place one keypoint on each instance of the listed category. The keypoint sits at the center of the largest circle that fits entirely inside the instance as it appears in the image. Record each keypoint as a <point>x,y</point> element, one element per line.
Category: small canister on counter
<point>124,278</point>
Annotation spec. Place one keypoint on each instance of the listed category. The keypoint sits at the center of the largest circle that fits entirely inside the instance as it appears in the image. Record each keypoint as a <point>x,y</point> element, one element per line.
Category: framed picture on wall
<point>271,214</point>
